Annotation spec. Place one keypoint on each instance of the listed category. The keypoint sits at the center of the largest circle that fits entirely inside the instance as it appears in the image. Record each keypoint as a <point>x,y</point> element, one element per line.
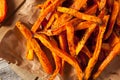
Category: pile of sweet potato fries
<point>79,32</point>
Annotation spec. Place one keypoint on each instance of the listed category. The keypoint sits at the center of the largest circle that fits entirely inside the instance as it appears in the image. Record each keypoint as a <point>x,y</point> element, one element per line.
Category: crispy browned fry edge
<point>79,15</point>
<point>38,51</point>
<point>85,37</point>
<point>112,19</point>
<point>44,13</point>
<point>94,58</point>
<point>113,53</point>
<point>70,38</point>
<point>62,54</point>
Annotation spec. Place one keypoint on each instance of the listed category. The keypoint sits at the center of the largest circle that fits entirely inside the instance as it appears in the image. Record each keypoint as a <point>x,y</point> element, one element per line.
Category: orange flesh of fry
<point>29,55</point>
<point>3,10</point>
<point>44,13</point>
<point>79,15</point>
<point>112,19</point>
<point>62,54</point>
<point>94,58</point>
<point>63,41</point>
<point>85,37</point>
<point>115,51</point>
<point>70,38</point>
<point>83,25</point>
<point>38,51</point>
<point>102,4</point>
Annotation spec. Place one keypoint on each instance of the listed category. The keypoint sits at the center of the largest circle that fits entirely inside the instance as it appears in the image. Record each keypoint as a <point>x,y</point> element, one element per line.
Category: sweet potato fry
<point>101,4</point>
<point>35,46</point>
<point>25,31</point>
<point>44,13</point>
<point>112,19</point>
<point>114,52</point>
<point>62,54</point>
<point>62,42</point>
<point>3,10</point>
<point>83,25</point>
<point>85,37</point>
<point>47,3</point>
<point>57,62</point>
<point>79,15</point>
<point>30,53</point>
<point>70,39</point>
<point>94,58</point>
